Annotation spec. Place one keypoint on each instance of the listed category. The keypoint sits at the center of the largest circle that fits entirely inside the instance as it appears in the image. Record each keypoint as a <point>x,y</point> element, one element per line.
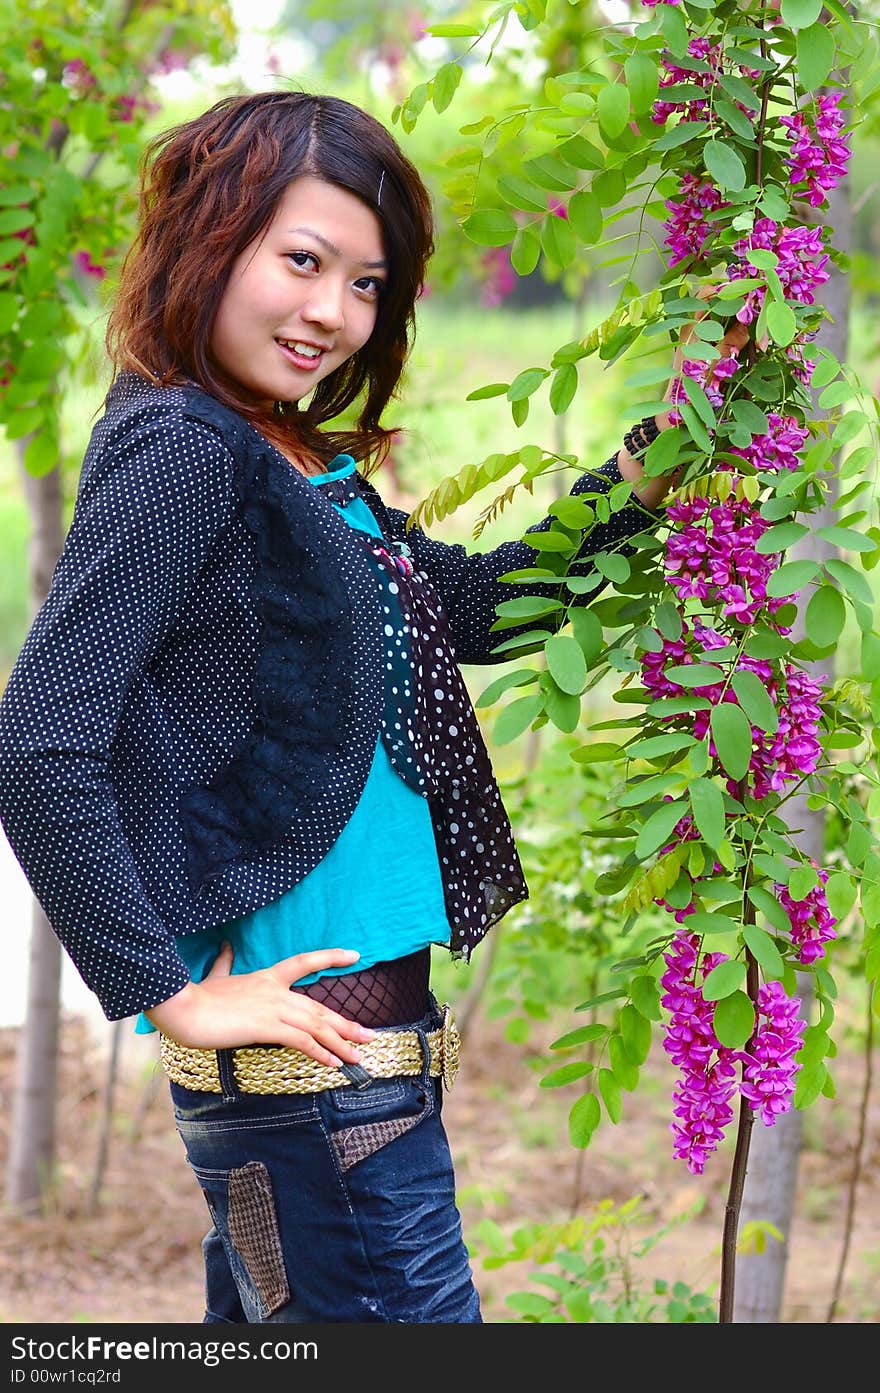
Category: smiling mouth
<point>303,355</point>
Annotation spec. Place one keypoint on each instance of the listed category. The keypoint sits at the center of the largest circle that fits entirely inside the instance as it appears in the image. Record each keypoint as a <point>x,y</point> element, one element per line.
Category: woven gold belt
<point>277,1069</point>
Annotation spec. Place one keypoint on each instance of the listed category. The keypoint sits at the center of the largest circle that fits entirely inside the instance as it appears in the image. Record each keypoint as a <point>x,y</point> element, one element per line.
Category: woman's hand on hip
<point>258,1008</point>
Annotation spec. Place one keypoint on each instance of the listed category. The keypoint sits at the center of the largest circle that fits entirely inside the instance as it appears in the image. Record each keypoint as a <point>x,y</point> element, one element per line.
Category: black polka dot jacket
<point>192,718</point>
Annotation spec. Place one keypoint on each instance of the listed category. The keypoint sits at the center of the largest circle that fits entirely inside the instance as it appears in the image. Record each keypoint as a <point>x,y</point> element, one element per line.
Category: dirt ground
<point>134,1257</point>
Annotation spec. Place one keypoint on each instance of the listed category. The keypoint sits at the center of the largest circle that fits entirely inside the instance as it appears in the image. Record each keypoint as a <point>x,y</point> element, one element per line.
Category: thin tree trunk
<point>32,1134</point>
<point>774,1154</point>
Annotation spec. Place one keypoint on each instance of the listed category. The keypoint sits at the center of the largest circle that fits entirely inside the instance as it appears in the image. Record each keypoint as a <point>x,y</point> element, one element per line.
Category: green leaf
<point>658,828</point>
<point>703,923</point>
<point>791,577</point>
<point>42,454</point>
<point>800,14</point>
<point>582,1036</point>
<point>733,738</point>
<point>493,389</point>
<point>566,1073</point>
<point>518,678</point>
<point>764,950</point>
<point>558,241</point>
<point>563,388</point>
<point>519,193</point>
<point>583,1120</point>
<point>756,701</point>
<point>15,220</point>
<point>566,662</point>
<point>625,1071</point>
<point>526,251</point>
<point>825,616</point>
<point>695,674</point>
<point>613,109</point>
<point>525,383</point>
<point>847,538</point>
<point>9,305</point>
<point>635,1032</point>
<point>588,631</point>
<point>815,55</point>
<point>490,227</point>
<point>516,717</point>
<point>454,31</point>
<point>727,977</point>
<point>724,165</point>
<point>612,1094</point>
<point>527,607</point>
<point>707,802</point>
<point>781,322</point>
<point>642,80</point>
<point>446,80</point>
<point>585,216</point>
<point>802,881</point>
<point>780,537</point>
<point>646,996</point>
<point>733,1020</point>
<point>852,581</point>
<point>840,892</point>
<point>810,1082</point>
<point>770,908</point>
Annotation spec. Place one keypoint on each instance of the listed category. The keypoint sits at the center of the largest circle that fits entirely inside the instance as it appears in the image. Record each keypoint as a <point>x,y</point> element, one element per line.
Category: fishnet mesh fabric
<point>391,993</point>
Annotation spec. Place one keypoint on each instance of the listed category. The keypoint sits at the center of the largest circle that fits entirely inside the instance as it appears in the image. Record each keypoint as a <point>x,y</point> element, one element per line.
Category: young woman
<point>238,763</point>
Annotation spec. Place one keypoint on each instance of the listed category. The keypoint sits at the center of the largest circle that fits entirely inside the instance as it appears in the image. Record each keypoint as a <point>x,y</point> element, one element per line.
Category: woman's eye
<point>371,285</point>
<point>301,259</point>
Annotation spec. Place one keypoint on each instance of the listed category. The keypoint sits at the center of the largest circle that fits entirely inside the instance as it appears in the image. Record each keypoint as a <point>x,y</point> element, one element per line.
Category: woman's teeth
<point>306,350</point>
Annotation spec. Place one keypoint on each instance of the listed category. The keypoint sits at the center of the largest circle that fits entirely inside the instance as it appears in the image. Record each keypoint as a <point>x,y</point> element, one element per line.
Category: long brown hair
<point>209,187</point>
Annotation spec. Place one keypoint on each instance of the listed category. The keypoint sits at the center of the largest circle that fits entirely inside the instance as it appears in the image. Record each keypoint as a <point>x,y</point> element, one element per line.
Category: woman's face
<point>302,298</point>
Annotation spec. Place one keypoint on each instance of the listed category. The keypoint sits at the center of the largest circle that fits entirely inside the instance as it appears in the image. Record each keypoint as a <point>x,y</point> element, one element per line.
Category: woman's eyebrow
<point>371,265</point>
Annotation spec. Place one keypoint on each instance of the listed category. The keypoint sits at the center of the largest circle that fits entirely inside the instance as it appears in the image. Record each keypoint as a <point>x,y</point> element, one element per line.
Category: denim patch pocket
<point>406,1101</point>
<point>249,1230</point>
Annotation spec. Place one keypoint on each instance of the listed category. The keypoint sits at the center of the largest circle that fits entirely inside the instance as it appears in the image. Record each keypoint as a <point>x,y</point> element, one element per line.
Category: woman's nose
<point>325,304</point>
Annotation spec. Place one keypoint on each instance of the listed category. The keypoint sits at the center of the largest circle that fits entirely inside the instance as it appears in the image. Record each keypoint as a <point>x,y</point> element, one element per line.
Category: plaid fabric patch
<point>354,1144</point>
<point>253,1228</point>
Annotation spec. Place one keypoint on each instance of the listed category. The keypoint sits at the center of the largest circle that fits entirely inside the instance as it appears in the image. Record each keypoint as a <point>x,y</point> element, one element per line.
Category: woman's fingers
<point>301,964</point>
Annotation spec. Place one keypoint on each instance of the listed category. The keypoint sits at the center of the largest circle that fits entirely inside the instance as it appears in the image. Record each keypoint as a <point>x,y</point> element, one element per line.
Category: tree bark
<point>31,1161</point>
<point>774,1154</point>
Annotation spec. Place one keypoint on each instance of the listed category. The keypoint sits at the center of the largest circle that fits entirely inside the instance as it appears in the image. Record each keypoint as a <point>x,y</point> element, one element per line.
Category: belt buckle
<point>450,1043</point>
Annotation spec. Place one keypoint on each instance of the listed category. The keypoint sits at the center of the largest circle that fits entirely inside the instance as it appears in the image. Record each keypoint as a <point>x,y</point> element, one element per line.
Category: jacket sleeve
<point>149,506</point>
<point>468,582</point>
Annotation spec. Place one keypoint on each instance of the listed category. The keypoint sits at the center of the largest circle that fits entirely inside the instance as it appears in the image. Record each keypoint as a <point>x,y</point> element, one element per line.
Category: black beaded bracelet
<point>639,437</point>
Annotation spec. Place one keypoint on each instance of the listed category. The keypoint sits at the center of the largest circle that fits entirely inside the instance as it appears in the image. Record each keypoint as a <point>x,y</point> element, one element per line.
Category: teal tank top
<point>378,889</point>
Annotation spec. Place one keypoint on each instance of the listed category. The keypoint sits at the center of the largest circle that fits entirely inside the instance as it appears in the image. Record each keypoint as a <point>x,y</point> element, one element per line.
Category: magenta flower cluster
<point>819,157</point>
<point>705,72</point>
<point>702,1097</point>
<point>688,226</point>
<point>712,557</point>
<point>812,924</point>
<point>801,263</point>
<point>712,563</point>
<point>776,760</point>
<point>770,1066</point>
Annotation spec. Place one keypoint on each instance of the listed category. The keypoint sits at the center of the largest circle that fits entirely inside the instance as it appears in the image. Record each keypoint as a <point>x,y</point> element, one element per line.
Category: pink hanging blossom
<point>770,1067</point>
<point>801,266</point>
<point>687,228</point>
<point>84,263</point>
<point>812,924</point>
<point>819,157</point>
<point>500,277</point>
<point>701,1097</point>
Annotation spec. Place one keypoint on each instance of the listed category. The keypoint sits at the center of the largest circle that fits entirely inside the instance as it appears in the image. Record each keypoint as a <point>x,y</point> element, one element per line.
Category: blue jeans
<point>333,1206</point>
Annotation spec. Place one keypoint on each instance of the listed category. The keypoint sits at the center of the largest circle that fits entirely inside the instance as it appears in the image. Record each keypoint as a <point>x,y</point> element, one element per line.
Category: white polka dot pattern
<point>191,720</point>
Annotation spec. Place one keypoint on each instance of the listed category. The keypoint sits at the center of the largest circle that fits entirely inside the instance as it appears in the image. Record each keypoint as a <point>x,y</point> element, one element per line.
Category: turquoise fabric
<point>393,903</point>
